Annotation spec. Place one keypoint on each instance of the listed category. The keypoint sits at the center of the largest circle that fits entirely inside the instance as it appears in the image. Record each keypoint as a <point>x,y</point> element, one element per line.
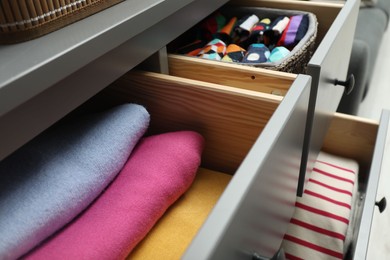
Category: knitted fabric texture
<point>257,53</point>
<point>50,180</point>
<point>295,31</point>
<point>234,53</point>
<point>318,228</point>
<point>214,50</point>
<point>160,169</point>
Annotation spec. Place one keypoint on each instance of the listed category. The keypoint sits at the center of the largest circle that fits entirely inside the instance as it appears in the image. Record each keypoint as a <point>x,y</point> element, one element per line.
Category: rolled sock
<point>294,32</point>
<point>244,26</point>
<point>248,23</point>
<point>275,30</point>
<point>278,53</point>
<point>50,180</point>
<point>160,169</point>
<point>234,53</point>
<point>257,33</point>
<point>280,24</point>
<point>257,53</point>
<point>214,50</point>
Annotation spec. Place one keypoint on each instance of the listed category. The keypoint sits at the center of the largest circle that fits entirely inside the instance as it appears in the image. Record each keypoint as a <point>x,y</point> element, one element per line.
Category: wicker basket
<point>22,20</point>
<point>296,61</point>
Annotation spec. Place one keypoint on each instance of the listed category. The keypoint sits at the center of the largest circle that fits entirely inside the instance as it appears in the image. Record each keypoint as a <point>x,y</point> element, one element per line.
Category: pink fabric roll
<point>160,169</point>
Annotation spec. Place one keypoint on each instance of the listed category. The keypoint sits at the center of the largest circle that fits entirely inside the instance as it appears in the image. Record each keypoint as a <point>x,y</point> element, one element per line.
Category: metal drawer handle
<point>349,84</point>
<point>381,204</point>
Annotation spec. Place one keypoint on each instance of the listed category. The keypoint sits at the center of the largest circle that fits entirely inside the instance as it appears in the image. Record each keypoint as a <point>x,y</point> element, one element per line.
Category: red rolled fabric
<point>160,169</point>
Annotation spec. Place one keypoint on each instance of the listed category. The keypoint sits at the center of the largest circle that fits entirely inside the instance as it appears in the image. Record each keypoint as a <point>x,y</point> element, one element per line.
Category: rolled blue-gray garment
<point>50,180</point>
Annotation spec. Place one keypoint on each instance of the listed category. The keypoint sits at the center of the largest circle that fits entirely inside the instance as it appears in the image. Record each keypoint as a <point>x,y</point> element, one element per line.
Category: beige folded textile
<point>318,228</point>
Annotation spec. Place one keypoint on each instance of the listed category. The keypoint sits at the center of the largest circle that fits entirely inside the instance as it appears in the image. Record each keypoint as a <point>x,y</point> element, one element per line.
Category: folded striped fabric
<point>318,228</point>
<point>160,169</point>
<point>50,180</point>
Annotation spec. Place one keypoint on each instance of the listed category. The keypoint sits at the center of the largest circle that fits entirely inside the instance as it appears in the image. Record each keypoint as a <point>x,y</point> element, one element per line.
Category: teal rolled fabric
<point>50,180</point>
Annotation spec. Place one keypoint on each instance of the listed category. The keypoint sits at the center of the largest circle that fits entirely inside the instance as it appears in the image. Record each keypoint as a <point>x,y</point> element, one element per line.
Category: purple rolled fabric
<point>294,32</point>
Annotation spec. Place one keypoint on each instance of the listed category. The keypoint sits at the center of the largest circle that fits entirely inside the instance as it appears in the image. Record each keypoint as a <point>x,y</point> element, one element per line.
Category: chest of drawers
<point>250,132</point>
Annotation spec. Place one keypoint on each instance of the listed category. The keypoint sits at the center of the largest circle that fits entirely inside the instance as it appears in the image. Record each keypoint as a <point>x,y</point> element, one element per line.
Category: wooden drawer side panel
<point>229,119</point>
<point>234,75</point>
<point>352,137</point>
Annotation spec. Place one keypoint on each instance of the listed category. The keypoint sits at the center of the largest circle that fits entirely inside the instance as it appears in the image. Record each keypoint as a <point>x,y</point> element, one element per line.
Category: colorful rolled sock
<point>257,53</point>
<point>160,169</point>
<point>275,30</point>
<point>234,53</point>
<point>50,180</point>
<point>243,27</point>
<point>214,50</point>
<point>257,33</point>
<point>278,53</point>
<point>294,32</point>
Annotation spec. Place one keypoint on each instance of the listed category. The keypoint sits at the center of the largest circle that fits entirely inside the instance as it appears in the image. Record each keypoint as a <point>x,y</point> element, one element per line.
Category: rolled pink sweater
<point>160,169</point>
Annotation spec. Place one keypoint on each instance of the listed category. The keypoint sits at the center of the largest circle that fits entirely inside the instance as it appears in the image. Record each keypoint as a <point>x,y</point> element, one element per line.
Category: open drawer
<point>363,140</point>
<point>245,131</point>
<point>348,136</point>
<point>328,68</point>
<point>257,137</point>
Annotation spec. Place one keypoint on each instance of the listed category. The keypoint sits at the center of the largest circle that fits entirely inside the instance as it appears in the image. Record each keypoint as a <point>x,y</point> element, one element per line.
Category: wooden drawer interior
<point>229,118</point>
<point>239,76</point>
<point>229,105</point>
<point>357,138</point>
<point>352,137</point>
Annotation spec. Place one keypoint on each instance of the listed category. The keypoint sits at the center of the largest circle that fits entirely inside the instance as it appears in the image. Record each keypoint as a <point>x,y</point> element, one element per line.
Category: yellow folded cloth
<point>172,234</point>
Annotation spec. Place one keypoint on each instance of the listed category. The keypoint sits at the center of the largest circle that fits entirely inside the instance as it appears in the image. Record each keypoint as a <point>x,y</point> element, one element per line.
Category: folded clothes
<point>174,232</point>
<point>160,169</point>
<point>50,180</point>
<point>318,228</point>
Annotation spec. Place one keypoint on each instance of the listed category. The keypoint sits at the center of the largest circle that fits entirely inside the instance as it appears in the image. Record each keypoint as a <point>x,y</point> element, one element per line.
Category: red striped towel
<point>318,228</point>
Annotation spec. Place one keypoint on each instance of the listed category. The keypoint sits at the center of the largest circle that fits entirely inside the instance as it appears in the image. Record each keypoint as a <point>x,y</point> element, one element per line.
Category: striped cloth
<point>319,226</point>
